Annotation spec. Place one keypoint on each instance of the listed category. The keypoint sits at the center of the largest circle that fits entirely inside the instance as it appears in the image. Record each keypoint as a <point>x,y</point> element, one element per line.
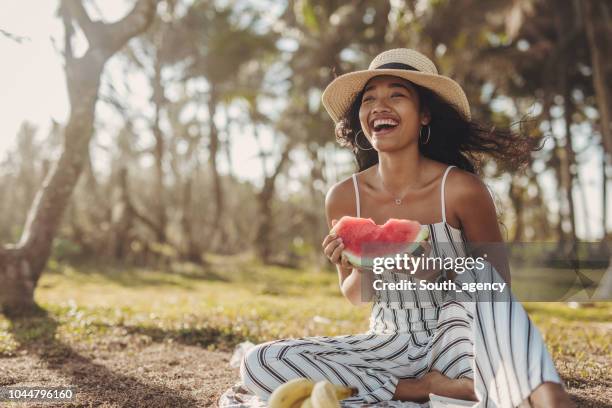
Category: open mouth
<point>384,126</point>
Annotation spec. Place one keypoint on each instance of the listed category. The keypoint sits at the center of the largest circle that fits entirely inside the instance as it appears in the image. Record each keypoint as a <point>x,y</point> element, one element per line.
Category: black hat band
<point>397,65</point>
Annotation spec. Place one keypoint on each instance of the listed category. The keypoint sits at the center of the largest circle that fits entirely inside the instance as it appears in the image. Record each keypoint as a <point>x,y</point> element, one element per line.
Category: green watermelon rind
<point>368,263</point>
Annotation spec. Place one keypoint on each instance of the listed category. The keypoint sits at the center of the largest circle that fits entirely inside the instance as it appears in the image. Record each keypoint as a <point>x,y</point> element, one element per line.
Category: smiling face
<point>390,113</point>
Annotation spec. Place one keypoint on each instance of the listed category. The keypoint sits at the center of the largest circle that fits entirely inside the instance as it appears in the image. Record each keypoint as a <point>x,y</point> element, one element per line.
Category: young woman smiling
<point>417,149</point>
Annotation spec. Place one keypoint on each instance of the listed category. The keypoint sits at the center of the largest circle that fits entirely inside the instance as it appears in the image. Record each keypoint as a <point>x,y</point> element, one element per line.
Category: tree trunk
<point>604,200</point>
<point>212,160</point>
<point>122,217</point>
<point>555,163</point>
<point>191,252</point>
<point>18,281</point>
<point>543,230</point>
<point>160,207</point>
<point>319,225</point>
<point>599,82</point>
<point>22,265</point>
<point>603,99</point>
<point>264,199</point>
<point>227,144</point>
<point>27,177</point>
<point>585,207</point>
<point>569,162</point>
<point>516,194</point>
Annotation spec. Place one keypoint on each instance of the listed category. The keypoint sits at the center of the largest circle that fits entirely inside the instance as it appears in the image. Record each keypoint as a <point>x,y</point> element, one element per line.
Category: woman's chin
<point>384,145</point>
<point>387,147</point>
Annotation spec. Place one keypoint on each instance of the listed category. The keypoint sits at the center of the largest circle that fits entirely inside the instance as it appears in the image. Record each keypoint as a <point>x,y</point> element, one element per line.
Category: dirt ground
<point>157,375</point>
<point>168,374</point>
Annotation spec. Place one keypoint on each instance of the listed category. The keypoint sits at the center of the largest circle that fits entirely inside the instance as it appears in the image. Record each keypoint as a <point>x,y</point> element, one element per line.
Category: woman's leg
<point>413,389</point>
<point>339,360</point>
<point>550,394</point>
<point>434,382</point>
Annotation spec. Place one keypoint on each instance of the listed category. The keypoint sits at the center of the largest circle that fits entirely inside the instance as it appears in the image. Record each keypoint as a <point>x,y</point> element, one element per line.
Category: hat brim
<point>340,93</point>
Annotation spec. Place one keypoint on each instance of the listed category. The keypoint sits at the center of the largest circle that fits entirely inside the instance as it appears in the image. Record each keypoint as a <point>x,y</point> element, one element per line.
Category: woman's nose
<point>380,106</point>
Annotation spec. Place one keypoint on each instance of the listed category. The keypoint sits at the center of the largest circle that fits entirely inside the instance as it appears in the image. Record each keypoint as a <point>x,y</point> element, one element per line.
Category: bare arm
<point>338,203</point>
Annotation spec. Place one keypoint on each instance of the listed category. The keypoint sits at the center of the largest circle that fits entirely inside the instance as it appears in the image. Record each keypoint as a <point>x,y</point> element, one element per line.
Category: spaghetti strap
<point>356,195</point>
<point>443,206</point>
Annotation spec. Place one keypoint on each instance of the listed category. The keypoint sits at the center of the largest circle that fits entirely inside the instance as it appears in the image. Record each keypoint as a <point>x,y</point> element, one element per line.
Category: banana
<point>343,392</point>
<point>307,403</point>
<point>290,392</point>
<point>298,403</point>
<point>324,395</point>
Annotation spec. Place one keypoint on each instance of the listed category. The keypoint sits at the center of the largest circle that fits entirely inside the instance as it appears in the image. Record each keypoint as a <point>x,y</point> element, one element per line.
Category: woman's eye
<point>369,98</point>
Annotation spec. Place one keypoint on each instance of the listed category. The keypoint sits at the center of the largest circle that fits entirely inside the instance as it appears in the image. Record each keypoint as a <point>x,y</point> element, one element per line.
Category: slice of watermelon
<point>364,240</point>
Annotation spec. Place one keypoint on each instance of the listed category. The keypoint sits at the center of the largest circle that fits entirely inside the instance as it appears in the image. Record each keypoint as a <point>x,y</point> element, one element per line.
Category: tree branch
<point>135,22</point>
<point>283,160</point>
<point>269,181</point>
<point>110,37</point>
<point>90,28</point>
<point>17,38</point>
<point>143,218</point>
<point>64,12</point>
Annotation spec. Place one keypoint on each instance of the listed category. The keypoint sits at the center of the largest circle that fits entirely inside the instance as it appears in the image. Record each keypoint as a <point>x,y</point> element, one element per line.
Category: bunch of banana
<point>304,393</point>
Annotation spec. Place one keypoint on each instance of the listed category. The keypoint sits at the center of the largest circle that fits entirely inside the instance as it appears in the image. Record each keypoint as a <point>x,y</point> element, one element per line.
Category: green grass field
<point>92,306</point>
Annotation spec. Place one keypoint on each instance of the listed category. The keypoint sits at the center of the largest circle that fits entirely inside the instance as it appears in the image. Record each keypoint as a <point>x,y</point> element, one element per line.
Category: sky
<point>32,82</point>
<point>32,88</point>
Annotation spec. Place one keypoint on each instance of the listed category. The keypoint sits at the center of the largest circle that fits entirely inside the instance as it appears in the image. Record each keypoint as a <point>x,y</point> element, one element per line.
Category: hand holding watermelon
<point>333,248</point>
<point>361,240</point>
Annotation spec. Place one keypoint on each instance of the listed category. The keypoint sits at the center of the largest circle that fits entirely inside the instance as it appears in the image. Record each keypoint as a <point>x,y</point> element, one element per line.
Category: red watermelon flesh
<point>363,239</point>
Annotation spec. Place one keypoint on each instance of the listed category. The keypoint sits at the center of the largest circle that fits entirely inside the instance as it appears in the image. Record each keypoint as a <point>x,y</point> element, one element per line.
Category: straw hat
<point>400,62</point>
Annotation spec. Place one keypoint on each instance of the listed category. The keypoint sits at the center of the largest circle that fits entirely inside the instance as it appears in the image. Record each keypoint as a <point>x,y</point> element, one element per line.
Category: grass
<point>230,301</point>
<point>233,299</point>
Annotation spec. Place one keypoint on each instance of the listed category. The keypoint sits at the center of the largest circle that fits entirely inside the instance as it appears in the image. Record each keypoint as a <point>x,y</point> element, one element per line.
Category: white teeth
<point>379,122</point>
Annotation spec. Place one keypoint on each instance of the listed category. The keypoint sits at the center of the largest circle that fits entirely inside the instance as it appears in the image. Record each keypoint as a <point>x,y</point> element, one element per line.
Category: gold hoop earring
<point>421,134</point>
<point>357,144</point>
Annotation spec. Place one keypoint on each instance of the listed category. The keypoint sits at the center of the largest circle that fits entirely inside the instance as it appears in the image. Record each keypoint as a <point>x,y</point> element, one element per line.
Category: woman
<point>416,148</point>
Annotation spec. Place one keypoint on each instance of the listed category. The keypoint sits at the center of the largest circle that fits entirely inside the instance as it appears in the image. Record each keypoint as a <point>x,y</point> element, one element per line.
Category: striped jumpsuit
<point>493,343</point>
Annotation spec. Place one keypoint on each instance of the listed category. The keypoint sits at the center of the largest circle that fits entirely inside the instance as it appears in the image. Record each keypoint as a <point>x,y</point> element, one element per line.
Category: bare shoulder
<point>462,186</point>
<point>340,200</point>
<point>471,205</point>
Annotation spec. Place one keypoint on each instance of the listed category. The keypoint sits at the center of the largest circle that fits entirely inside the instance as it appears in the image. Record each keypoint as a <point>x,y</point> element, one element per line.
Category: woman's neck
<point>402,170</point>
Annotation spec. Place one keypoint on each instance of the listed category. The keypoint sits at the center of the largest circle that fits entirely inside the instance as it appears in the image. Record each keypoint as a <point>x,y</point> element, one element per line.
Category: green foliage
<point>65,249</point>
<point>305,14</point>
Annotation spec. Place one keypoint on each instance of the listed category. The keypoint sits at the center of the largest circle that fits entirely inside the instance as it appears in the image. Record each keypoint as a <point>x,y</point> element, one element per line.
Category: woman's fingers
<point>332,249</point>
<point>332,246</point>
<point>328,239</point>
<point>335,256</point>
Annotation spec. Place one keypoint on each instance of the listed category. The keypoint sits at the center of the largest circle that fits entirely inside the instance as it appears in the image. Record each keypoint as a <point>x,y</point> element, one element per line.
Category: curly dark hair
<point>454,139</point>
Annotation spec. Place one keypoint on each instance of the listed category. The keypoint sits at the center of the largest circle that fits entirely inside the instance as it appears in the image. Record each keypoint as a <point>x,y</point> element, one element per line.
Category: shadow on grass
<point>584,402</point>
<point>179,275</point>
<point>575,386</point>
<point>36,333</point>
<point>202,337</point>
